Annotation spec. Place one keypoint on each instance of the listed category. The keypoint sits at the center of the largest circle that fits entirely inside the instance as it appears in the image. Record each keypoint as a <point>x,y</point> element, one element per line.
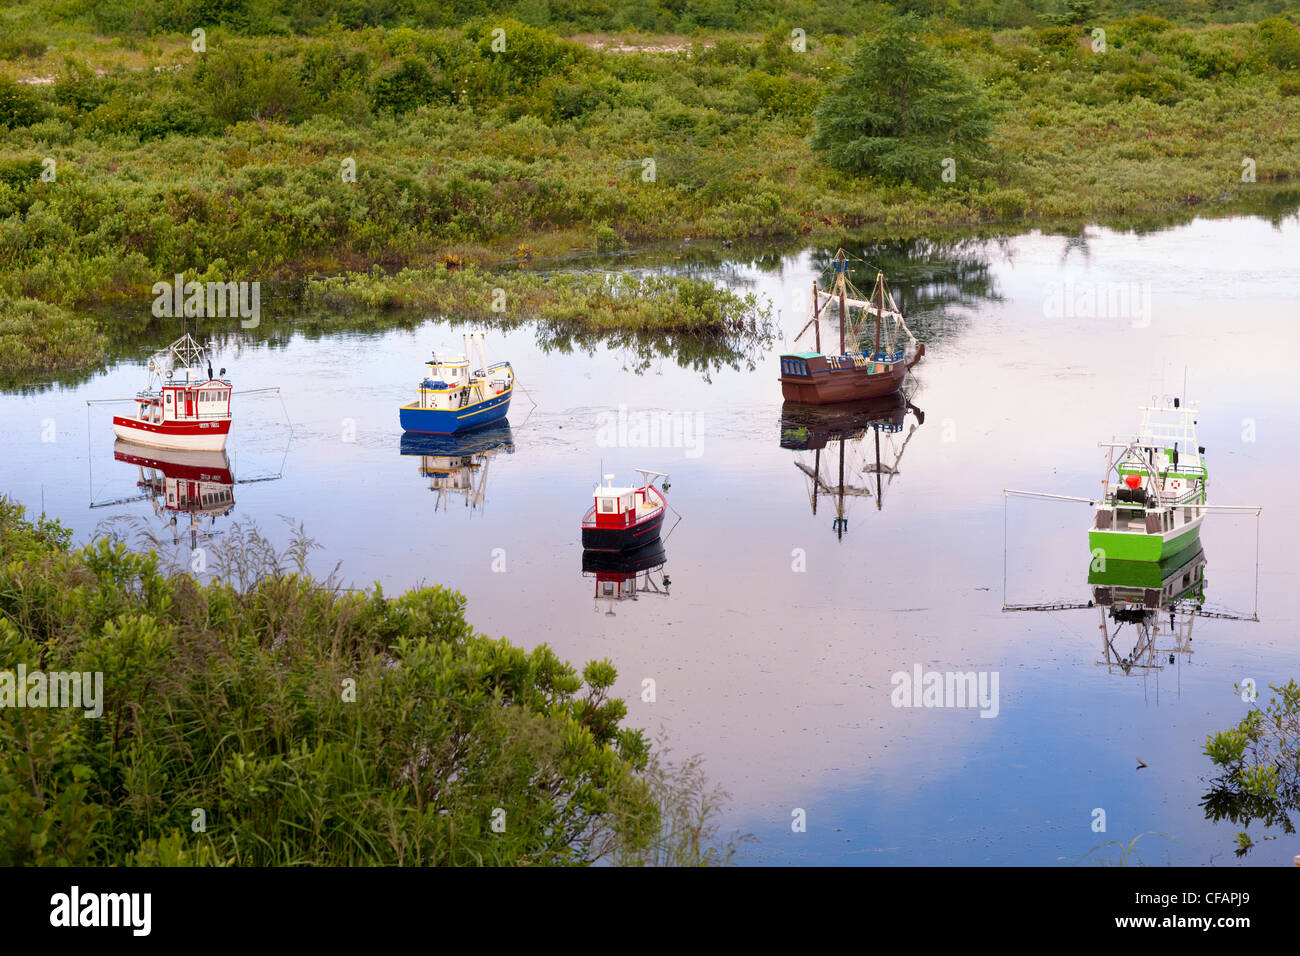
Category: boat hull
<point>479,440</point>
<point>1134,546</point>
<point>187,436</point>
<point>433,421</point>
<point>190,465</point>
<point>624,539</point>
<point>651,555</point>
<point>828,386</point>
<point>810,427</point>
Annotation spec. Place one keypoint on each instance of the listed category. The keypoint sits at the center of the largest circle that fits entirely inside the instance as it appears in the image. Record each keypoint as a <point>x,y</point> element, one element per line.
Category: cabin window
<point>627,502</point>
<point>607,506</point>
<point>169,398</point>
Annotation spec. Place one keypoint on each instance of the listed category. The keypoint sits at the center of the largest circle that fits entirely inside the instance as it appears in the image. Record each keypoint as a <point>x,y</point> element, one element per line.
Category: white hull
<point>213,441</point>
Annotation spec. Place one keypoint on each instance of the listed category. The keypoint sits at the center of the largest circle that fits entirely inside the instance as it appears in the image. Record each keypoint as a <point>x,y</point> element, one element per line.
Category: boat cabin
<point>621,507</point>
<point>187,397</point>
<point>450,383</point>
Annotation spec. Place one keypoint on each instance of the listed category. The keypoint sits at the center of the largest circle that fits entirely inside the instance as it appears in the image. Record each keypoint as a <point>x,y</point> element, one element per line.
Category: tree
<point>901,110</point>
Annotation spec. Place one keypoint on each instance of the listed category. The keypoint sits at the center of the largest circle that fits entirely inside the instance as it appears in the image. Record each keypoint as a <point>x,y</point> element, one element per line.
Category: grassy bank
<point>264,718</point>
<point>290,146</point>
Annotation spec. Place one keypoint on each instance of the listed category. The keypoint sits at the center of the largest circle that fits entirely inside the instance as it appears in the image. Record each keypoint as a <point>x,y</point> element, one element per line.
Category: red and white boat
<point>621,519</point>
<point>181,406</point>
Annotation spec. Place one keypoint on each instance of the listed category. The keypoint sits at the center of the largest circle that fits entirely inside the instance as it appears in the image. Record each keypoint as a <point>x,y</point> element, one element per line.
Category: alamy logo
<point>1098,300</point>
<point>947,689</point>
<point>209,299</point>
<point>55,689</point>
<point>627,429</point>
<point>102,909</point>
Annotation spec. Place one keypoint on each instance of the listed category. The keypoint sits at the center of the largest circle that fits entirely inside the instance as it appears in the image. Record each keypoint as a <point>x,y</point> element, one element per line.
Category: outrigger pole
<point>1257,509</point>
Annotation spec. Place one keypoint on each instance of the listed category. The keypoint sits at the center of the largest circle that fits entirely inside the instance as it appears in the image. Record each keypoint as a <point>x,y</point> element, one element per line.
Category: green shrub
<point>18,104</point>
<point>312,726</point>
<point>1280,41</point>
<point>15,45</point>
<point>403,85</point>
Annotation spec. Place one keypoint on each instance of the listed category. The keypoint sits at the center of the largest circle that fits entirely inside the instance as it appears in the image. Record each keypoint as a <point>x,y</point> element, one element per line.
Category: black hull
<point>623,539</point>
<point>651,555</point>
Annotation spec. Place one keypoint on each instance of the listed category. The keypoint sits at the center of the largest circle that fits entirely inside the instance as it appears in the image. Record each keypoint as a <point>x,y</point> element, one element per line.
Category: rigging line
<point>530,399</point>
<point>289,422</point>
<point>1257,524</point>
<point>90,460</point>
<point>1005,498</point>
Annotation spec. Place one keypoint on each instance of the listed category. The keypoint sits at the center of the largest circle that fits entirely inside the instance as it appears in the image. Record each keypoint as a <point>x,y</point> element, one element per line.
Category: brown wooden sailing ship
<point>868,369</point>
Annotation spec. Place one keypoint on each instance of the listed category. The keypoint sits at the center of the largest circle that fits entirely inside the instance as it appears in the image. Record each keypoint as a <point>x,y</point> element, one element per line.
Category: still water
<point>771,632</point>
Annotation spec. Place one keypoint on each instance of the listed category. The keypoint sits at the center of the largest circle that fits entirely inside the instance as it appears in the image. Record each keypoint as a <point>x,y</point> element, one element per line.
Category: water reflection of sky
<point>782,679</point>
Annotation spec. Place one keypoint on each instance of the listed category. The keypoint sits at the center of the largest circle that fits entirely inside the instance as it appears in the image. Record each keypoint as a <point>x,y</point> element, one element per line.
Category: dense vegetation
<point>303,138</point>
<point>307,724</point>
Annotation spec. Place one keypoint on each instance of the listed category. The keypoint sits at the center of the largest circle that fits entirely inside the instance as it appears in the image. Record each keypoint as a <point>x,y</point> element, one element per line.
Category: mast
<point>817,476</point>
<point>839,510</point>
<point>879,501</point>
<point>880,311</point>
<point>817,329</point>
<point>841,265</point>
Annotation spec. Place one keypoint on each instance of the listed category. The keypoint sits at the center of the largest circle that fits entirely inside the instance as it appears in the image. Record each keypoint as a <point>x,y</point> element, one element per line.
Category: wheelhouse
<point>621,507</point>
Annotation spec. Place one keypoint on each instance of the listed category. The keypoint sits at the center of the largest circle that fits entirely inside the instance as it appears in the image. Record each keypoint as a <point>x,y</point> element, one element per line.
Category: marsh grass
<point>171,163</point>
<point>1127,851</point>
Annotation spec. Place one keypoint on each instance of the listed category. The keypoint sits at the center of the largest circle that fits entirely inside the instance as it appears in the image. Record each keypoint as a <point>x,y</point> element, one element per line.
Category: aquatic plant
<point>1259,760</point>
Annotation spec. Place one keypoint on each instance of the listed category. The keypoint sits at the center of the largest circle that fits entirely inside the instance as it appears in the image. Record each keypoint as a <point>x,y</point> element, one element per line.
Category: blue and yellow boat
<point>453,398</point>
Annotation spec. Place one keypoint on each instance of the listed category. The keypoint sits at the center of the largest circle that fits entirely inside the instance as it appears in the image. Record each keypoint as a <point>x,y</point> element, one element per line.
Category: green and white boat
<point>1155,489</point>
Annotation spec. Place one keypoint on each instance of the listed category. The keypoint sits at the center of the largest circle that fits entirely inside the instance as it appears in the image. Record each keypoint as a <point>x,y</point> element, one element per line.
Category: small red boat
<point>623,518</point>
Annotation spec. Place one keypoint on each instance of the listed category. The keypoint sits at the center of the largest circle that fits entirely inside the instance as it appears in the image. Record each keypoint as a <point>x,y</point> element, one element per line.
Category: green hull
<point>1132,546</point>
<point>1143,574</point>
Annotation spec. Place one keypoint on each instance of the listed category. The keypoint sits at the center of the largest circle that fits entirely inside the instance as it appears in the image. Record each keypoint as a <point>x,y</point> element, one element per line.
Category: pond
<point>771,628</point>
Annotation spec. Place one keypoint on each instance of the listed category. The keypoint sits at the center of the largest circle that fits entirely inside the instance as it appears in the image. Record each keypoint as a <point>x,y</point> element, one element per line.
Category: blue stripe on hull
<point>437,422</point>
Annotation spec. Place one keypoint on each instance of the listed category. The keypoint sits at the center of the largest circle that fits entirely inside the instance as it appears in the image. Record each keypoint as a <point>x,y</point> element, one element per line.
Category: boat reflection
<point>853,463</point>
<point>1140,594</point>
<point>197,484</point>
<point>1147,609</point>
<point>626,575</point>
<point>457,465</point>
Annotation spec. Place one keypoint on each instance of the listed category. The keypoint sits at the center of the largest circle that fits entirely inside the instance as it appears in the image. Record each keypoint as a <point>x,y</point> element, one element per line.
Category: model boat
<point>625,517</point>
<point>1155,489</point>
<point>453,398</point>
<point>182,405</point>
<point>861,368</point>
